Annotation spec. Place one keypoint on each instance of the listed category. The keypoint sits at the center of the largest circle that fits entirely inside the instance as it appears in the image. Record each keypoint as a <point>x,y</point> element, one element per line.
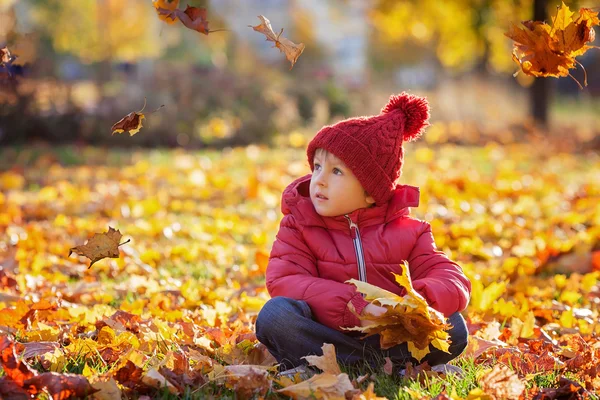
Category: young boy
<point>349,219</point>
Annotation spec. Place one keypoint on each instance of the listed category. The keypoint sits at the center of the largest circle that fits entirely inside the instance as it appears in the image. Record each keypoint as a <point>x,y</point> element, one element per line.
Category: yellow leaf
<point>417,353</point>
<point>327,362</point>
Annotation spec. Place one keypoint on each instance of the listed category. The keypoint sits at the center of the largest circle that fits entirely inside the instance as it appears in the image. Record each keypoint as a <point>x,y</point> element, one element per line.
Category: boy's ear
<point>370,200</point>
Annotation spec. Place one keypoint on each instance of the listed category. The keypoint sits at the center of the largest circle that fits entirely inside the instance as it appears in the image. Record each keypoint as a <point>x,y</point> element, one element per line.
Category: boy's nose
<point>321,181</point>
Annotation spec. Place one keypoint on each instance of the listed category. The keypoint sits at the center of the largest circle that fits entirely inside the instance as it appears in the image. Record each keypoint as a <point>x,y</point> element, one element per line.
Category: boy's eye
<point>337,171</point>
<point>317,166</point>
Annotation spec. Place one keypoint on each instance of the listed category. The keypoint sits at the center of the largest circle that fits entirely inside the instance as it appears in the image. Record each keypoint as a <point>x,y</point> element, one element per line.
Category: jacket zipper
<point>358,248</point>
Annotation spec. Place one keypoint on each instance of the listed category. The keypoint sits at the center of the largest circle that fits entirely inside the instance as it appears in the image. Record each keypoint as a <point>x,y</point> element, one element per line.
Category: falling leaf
<point>408,318</point>
<point>292,51</point>
<point>327,362</point>
<point>501,383</point>
<point>194,18</point>
<point>167,5</point>
<point>131,123</point>
<point>100,246</point>
<point>5,56</point>
<point>542,50</point>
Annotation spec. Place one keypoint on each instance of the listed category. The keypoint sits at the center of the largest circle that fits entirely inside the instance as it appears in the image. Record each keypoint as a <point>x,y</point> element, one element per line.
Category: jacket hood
<point>296,201</point>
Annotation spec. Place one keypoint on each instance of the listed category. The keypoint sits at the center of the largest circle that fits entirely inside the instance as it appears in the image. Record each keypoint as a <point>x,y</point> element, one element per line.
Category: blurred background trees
<point>84,64</point>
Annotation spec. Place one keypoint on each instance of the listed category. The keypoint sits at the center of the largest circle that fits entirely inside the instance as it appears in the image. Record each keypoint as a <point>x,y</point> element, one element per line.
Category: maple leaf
<point>100,246</point>
<point>408,318</point>
<point>163,9</point>
<point>132,122</point>
<point>194,18</point>
<point>327,362</point>
<point>501,383</point>
<point>292,51</point>
<point>542,50</point>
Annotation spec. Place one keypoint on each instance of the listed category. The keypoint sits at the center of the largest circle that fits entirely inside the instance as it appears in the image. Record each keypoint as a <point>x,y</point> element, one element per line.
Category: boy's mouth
<point>321,197</point>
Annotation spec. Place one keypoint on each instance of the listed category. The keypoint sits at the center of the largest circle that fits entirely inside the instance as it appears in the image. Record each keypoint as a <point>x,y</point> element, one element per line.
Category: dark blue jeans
<point>285,326</point>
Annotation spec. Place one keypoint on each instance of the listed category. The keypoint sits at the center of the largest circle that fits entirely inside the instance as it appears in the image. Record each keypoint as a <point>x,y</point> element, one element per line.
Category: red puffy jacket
<point>313,256</point>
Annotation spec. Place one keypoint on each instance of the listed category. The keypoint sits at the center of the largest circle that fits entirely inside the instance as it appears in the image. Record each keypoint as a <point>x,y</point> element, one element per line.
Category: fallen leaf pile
<point>175,311</point>
<point>549,50</point>
<point>408,318</point>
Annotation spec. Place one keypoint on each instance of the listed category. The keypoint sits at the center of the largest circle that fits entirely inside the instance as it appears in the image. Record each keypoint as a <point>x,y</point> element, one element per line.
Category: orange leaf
<point>100,246</point>
<point>502,383</point>
<point>292,51</point>
<point>61,386</point>
<point>16,370</point>
<point>542,50</point>
<point>167,5</point>
<point>198,17</point>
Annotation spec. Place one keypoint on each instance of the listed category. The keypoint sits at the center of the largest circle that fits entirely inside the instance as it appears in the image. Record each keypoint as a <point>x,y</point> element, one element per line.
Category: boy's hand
<point>371,309</point>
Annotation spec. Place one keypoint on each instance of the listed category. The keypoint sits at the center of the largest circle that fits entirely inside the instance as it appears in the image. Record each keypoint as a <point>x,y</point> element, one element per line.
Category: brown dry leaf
<point>198,20</point>
<point>567,389</point>
<point>131,123</point>
<point>33,349</point>
<point>322,386</point>
<point>408,318</point>
<point>542,50</point>
<point>60,386</point>
<point>100,246</point>
<point>327,362</point>
<point>292,51</point>
<point>248,381</point>
<point>501,383</point>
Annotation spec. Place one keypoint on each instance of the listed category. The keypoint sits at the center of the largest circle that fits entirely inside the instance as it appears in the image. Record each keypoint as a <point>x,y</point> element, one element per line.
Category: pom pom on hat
<point>415,114</point>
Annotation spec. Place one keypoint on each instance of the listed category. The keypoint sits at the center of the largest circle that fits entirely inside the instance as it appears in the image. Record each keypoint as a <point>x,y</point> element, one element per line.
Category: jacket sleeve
<point>438,279</point>
<point>292,272</point>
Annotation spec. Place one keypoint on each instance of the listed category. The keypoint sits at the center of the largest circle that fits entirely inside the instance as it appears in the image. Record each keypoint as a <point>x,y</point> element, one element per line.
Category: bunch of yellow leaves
<point>542,50</point>
<point>408,318</point>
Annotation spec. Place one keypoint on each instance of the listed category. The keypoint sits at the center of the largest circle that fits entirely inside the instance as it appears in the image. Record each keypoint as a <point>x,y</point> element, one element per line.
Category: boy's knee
<point>278,313</point>
<point>459,334</point>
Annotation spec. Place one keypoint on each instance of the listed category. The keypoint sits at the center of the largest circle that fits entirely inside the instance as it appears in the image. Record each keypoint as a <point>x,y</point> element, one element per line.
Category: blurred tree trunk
<point>539,93</point>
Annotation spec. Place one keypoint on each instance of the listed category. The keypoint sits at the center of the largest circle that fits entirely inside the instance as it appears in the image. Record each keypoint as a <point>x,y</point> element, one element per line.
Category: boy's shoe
<point>448,369</point>
<point>302,371</point>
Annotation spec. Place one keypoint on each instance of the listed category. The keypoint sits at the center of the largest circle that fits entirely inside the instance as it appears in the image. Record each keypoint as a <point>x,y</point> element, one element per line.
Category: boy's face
<point>334,190</point>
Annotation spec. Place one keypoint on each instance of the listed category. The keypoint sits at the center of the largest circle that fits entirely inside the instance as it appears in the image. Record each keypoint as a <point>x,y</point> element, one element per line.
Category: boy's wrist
<point>358,303</point>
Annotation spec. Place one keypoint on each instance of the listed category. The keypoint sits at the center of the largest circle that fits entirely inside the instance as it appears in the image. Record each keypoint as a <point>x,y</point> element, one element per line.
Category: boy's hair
<point>372,146</point>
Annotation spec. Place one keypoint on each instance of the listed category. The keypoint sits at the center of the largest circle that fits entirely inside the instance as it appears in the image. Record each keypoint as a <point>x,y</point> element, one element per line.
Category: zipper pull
<point>353,227</point>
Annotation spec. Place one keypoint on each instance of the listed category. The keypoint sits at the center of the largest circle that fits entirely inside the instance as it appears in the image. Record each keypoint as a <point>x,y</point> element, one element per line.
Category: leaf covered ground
<point>173,315</point>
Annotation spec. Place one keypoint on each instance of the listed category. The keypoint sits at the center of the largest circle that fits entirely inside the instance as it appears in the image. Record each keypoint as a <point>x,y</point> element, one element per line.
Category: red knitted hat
<point>372,146</point>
